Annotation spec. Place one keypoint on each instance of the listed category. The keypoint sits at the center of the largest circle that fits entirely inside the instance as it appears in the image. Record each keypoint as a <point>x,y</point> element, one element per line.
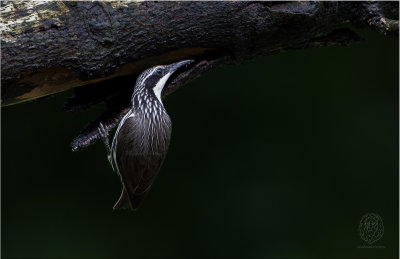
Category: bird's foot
<point>103,132</point>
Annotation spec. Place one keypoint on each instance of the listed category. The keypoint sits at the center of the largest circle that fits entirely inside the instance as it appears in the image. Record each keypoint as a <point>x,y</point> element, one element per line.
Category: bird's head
<point>155,78</point>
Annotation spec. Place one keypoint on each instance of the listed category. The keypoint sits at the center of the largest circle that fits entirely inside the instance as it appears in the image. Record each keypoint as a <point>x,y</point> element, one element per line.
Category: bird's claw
<point>103,132</point>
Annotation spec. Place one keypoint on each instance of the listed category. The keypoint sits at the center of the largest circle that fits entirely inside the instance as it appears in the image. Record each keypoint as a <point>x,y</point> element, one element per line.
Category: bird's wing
<point>137,166</point>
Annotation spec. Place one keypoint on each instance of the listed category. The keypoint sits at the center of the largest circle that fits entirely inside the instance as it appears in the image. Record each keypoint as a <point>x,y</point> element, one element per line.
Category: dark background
<point>277,158</point>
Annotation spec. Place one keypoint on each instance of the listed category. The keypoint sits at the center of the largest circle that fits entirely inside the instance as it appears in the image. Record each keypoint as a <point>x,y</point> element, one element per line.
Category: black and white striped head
<point>153,80</point>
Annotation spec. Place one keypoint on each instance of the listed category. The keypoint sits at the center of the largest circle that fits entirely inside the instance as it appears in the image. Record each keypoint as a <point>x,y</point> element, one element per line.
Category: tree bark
<point>54,46</point>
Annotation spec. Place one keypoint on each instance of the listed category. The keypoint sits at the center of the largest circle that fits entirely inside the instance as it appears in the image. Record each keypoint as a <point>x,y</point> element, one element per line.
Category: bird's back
<point>138,153</point>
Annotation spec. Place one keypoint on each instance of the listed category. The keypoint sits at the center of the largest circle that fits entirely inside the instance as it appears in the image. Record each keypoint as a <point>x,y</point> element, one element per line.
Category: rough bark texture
<point>49,47</point>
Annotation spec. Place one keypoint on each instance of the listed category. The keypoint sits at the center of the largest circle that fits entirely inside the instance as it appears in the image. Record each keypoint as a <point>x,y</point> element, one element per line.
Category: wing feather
<point>137,159</point>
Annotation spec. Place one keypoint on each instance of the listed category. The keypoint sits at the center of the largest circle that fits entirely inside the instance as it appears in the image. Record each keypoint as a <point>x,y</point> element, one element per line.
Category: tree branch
<point>101,47</point>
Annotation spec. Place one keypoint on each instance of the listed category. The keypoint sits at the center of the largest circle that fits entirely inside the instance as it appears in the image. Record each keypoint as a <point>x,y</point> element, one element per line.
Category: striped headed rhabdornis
<point>142,137</point>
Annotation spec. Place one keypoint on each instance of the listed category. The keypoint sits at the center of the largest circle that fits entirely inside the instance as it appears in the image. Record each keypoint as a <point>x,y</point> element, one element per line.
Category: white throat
<point>160,85</point>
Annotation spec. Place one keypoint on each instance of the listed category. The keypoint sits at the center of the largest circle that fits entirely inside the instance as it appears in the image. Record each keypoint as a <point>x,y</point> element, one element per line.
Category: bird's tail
<point>133,203</point>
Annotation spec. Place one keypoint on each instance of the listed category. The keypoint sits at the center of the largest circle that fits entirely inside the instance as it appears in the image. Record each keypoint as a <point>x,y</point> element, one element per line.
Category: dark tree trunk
<point>54,46</point>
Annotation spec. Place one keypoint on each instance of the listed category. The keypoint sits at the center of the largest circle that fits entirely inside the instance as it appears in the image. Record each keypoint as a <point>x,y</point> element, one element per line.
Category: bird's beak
<point>175,66</point>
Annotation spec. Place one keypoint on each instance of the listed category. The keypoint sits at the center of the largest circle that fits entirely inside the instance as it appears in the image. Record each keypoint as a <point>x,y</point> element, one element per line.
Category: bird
<point>141,140</point>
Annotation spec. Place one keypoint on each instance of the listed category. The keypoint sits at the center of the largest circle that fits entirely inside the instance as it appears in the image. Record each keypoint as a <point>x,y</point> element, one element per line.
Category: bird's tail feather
<point>126,202</point>
<point>123,201</point>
